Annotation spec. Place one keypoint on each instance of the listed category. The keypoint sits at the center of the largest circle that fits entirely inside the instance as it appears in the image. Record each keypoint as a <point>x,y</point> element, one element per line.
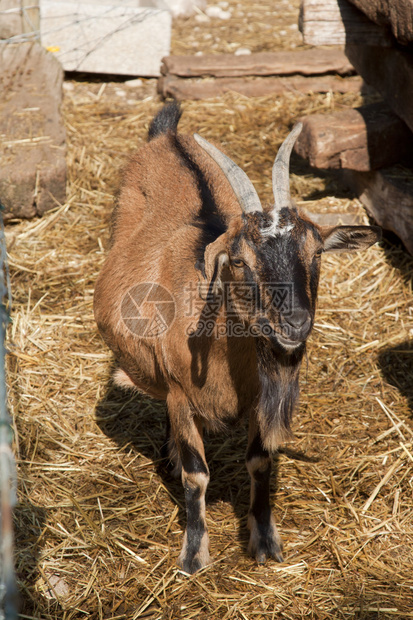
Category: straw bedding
<point>99,522</point>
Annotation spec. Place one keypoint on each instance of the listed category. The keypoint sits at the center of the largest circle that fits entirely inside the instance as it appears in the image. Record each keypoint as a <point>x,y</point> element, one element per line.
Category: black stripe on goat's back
<point>208,220</point>
<point>166,119</point>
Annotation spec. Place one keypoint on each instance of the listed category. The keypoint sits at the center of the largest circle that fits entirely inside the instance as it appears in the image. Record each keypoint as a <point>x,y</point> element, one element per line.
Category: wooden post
<point>336,22</point>
<point>396,14</point>
<point>364,139</point>
<point>17,19</point>
<point>306,62</point>
<point>390,71</point>
<point>181,89</point>
<point>388,198</point>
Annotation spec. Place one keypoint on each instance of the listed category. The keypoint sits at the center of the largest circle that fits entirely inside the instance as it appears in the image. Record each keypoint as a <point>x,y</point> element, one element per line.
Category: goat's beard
<point>279,391</point>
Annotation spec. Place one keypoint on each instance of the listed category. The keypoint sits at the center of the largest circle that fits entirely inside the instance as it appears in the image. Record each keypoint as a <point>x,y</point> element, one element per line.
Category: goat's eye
<point>238,262</point>
<point>319,252</point>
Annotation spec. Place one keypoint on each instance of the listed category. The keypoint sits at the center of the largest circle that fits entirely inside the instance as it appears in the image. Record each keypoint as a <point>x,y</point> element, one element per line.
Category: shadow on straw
<point>135,421</point>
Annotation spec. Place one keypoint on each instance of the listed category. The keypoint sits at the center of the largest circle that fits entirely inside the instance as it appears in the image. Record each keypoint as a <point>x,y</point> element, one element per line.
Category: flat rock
<point>120,38</point>
<point>32,134</point>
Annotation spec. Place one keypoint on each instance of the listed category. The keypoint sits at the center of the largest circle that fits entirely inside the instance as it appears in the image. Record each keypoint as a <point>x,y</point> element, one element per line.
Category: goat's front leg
<point>265,541</point>
<point>187,435</point>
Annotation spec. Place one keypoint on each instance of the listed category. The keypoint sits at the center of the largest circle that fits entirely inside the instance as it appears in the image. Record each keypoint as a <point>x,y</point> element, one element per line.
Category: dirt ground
<point>99,521</point>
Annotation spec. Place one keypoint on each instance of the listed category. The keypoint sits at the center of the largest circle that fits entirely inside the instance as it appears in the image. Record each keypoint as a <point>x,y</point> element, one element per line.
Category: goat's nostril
<point>298,318</point>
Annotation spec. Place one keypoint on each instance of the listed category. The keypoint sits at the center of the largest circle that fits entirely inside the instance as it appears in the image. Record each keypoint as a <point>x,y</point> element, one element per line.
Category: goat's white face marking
<point>286,229</point>
<point>273,230</point>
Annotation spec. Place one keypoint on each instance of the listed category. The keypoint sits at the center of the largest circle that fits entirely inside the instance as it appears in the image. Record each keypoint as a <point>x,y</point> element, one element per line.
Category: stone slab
<point>97,37</point>
<point>32,134</point>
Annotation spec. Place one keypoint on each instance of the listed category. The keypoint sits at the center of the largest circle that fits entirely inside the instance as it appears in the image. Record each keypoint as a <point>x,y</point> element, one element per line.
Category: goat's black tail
<point>166,120</point>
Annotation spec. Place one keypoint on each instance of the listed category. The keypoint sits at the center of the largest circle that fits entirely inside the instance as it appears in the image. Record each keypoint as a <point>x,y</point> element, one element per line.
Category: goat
<point>188,225</point>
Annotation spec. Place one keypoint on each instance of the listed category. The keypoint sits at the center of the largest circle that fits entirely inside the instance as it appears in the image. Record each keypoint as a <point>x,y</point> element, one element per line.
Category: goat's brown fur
<point>170,190</point>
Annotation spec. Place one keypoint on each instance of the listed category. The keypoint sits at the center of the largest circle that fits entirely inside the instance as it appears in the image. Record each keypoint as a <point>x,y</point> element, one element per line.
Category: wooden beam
<point>396,14</point>
<point>390,72</point>
<point>331,218</point>
<point>336,22</point>
<point>33,145</point>
<point>181,89</point>
<point>18,17</point>
<point>363,139</point>
<point>388,199</point>
<point>306,62</point>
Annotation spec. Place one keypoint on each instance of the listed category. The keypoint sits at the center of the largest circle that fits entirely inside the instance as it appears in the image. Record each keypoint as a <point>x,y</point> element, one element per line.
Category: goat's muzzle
<point>295,327</point>
<point>285,337</point>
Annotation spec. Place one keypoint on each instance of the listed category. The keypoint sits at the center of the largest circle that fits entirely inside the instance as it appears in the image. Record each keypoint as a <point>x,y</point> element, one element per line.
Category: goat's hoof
<point>192,564</point>
<point>265,542</point>
<point>268,549</point>
<point>193,559</point>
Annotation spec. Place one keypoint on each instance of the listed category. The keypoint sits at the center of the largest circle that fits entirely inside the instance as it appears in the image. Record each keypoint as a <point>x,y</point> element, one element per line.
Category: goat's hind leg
<point>187,435</point>
<point>265,541</point>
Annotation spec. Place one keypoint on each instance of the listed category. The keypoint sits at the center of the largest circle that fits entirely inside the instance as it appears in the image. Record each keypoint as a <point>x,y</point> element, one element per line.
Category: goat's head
<point>270,260</point>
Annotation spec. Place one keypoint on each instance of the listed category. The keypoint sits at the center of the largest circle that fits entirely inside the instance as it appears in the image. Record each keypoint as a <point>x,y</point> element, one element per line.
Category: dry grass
<point>260,26</point>
<point>99,522</point>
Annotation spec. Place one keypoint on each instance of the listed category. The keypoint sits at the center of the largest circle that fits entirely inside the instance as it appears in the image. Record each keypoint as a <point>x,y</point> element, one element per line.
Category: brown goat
<point>206,300</point>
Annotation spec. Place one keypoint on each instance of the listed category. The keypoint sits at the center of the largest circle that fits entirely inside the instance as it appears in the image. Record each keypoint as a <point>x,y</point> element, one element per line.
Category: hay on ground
<point>99,522</point>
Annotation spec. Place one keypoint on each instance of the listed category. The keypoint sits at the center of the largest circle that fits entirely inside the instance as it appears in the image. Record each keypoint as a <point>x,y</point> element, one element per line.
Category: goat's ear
<point>349,238</point>
<point>216,258</point>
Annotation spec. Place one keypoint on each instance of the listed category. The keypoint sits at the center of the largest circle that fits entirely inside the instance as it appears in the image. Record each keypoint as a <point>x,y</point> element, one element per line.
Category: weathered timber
<point>365,138</point>
<point>397,14</point>
<point>181,89</point>
<point>331,218</point>
<point>32,148</point>
<point>307,62</point>
<point>390,72</point>
<point>336,22</point>
<point>388,198</point>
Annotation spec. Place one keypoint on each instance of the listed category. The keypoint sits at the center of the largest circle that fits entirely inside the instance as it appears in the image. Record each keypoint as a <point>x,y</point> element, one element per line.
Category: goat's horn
<point>281,170</point>
<point>240,183</point>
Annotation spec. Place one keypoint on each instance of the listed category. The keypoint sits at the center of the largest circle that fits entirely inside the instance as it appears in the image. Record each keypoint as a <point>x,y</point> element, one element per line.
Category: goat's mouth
<point>287,343</point>
<point>277,338</point>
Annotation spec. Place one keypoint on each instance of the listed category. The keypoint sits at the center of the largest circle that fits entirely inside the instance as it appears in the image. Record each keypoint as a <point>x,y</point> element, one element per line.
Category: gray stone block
<point>122,38</point>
